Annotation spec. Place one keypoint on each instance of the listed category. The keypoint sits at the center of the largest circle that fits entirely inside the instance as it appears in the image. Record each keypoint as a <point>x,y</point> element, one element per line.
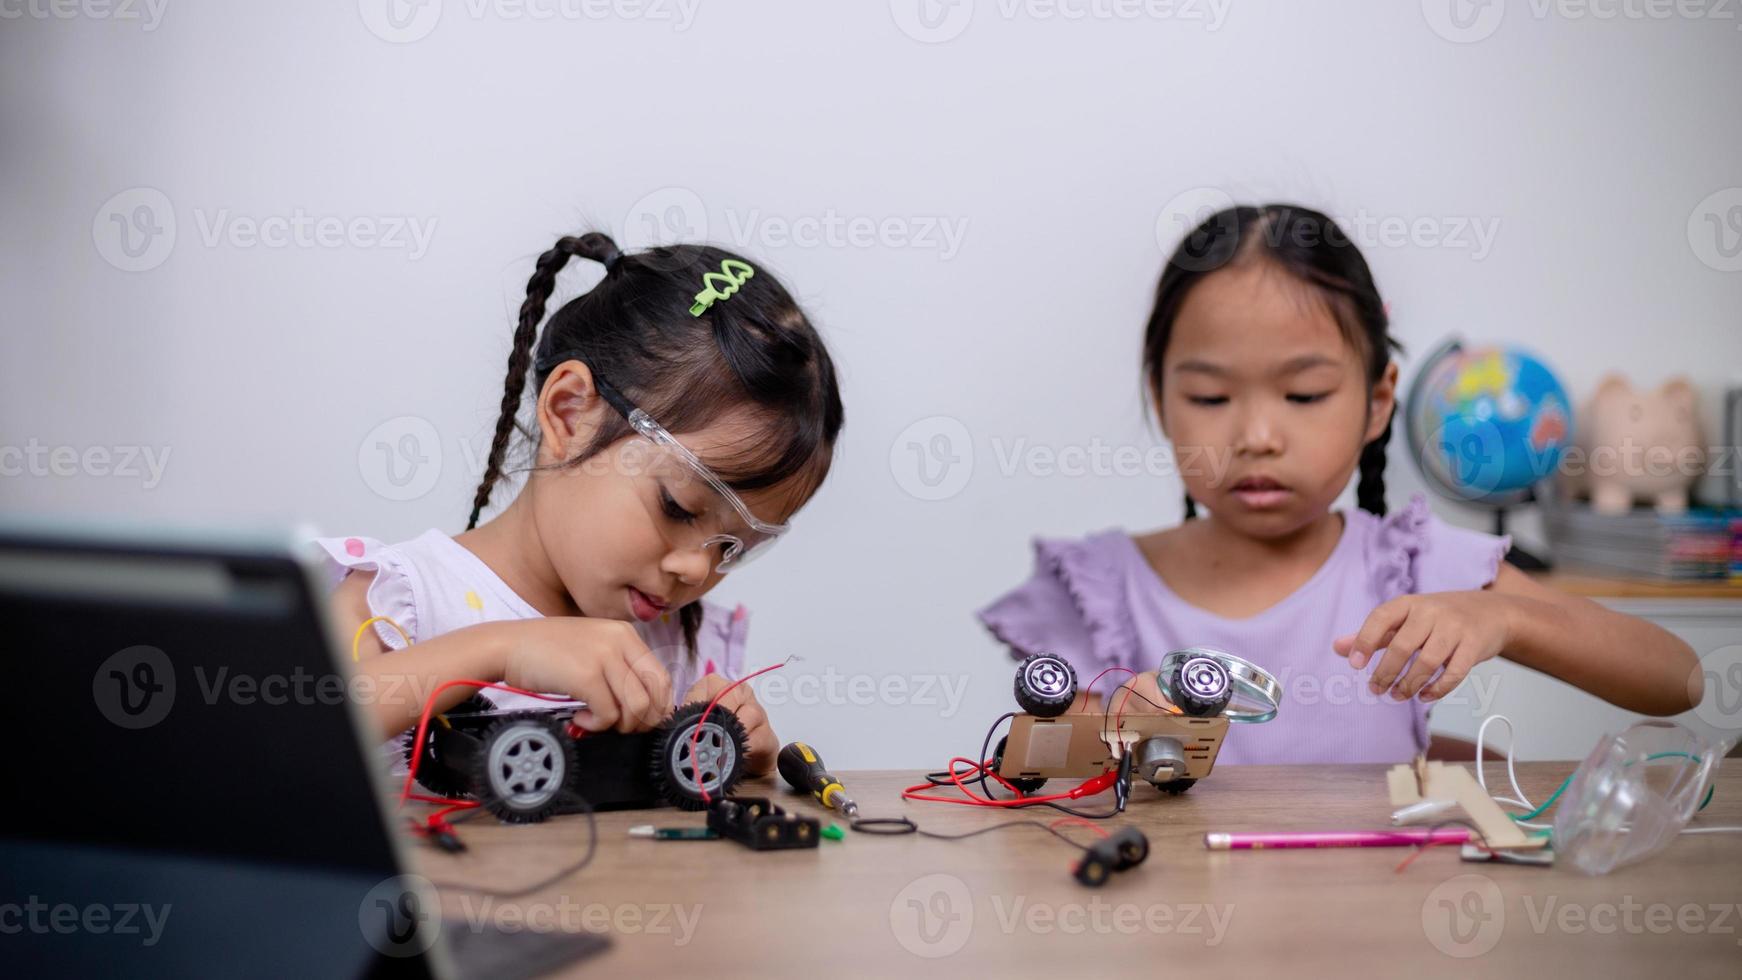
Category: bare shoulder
<point>350,605</point>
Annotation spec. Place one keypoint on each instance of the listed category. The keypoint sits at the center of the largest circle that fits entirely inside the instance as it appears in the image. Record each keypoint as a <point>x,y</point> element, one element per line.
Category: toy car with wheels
<point>1209,689</point>
<point>525,765</point>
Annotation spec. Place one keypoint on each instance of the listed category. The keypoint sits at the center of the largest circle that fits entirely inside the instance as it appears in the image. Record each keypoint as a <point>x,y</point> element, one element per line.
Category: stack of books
<point>1701,545</point>
<point>1736,551</point>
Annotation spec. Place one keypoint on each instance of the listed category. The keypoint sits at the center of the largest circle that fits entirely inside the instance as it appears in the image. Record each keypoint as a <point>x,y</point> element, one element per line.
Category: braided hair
<point>757,351</point>
<point>1311,247</point>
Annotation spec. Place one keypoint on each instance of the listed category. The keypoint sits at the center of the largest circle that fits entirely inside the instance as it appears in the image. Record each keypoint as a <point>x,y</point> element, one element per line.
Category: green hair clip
<point>732,274</point>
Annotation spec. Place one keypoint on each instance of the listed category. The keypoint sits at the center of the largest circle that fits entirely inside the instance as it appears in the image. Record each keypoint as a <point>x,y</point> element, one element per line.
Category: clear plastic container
<point>1632,795</point>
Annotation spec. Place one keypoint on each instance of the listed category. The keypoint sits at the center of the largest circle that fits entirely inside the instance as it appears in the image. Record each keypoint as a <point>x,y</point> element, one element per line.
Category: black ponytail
<point>538,290</point>
<point>1370,489</point>
<point>1311,247</point>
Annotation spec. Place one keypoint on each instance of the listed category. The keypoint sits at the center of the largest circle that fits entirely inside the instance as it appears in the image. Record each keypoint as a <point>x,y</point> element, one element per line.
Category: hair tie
<point>611,258</point>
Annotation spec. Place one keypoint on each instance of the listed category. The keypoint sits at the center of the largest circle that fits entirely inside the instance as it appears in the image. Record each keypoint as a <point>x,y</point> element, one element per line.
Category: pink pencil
<point>1345,838</point>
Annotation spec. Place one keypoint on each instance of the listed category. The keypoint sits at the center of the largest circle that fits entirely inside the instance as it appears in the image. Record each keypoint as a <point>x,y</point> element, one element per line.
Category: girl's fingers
<point>1434,653</point>
<point>601,712</point>
<point>635,704</point>
<point>1457,668</point>
<point>706,688</point>
<point>1377,632</point>
<point>1406,640</point>
<point>761,751</point>
<point>654,678</point>
<point>752,716</point>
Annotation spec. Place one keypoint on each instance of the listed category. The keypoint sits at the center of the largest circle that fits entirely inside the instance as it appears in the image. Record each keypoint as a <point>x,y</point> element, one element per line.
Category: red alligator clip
<point>1099,784</point>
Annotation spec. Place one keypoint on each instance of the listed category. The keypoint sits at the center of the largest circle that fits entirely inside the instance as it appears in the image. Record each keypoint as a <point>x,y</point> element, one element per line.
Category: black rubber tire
<point>723,732</point>
<point>1046,685</point>
<point>1177,787</point>
<point>1201,686</point>
<point>431,774</point>
<point>543,784</point>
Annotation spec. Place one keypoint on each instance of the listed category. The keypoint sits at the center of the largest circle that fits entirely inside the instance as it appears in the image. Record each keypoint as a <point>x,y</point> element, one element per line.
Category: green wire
<point>1532,815</point>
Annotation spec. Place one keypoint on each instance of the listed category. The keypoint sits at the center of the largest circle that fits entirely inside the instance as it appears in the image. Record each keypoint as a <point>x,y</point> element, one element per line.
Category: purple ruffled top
<point>1097,603</point>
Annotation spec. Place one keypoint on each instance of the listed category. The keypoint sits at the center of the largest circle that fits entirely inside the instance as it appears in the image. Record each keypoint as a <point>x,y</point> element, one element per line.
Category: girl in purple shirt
<point>1268,359</point>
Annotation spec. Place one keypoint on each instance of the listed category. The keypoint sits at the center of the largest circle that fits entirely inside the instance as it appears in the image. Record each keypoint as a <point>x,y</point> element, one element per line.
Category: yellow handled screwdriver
<point>803,769</point>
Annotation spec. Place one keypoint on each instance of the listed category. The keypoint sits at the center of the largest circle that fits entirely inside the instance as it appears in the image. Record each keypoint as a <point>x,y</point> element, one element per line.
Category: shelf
<point>1596,587</point>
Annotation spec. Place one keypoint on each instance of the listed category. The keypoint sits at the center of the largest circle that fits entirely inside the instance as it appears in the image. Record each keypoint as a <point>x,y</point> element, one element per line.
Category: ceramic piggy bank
<point>1642,445</point>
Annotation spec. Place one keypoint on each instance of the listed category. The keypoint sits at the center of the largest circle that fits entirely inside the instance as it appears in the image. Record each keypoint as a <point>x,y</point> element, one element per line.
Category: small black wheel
<point>1024,784</point>
<point>1177,787</point>
<point>1045,685</point>
<point>686,764</point>
<point>1201,686</point>
<point>526,762</point>
<point>431,773</point>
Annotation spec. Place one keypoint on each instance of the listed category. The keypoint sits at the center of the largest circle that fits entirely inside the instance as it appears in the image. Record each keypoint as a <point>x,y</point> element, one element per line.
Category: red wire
<point>1079,821</point>
<point>1088,788</point>
<point>1119,716</point>
<point>1422,849</point>
<point>423,730</point>
<point>1091,688</point>
<point>696,733</point>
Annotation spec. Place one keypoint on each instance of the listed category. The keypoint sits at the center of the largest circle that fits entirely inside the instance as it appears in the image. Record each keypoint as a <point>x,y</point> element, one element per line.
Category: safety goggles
<point>690,503</point>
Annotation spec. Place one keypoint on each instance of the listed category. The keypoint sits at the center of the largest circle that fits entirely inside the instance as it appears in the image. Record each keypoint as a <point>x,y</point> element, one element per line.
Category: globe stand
<point>1517,557</point>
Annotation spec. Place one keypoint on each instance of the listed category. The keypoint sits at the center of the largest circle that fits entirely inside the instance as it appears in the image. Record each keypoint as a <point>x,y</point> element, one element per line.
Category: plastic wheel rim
<point>526,766</point>
<point>1205,678</point>
<point>699,764</point>
<point>1047,678</point>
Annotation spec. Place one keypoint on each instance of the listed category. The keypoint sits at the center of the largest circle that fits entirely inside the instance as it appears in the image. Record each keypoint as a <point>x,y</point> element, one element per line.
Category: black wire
<point>1005,826</point>
<point>1060,807</point>
<point>893,826</point>
<point>943,778</point>
<point>986,746</point>
<point>548,880</point>
<point>884,826</point>
<point>1130,686</point>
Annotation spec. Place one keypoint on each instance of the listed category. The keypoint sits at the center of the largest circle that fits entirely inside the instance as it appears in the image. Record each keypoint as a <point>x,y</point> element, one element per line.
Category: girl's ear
<point>569,412</point>
<point>1382,403</point>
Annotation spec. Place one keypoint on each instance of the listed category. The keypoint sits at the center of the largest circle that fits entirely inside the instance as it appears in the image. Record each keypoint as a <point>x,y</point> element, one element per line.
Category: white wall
<point>1057,147</point>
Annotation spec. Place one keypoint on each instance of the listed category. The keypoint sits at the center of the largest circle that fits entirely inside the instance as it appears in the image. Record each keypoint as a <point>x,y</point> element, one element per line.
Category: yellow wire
<point>358,638</point>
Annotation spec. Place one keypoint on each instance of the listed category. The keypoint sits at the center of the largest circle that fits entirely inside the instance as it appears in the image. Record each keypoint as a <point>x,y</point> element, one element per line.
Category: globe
<point>1486,424</point>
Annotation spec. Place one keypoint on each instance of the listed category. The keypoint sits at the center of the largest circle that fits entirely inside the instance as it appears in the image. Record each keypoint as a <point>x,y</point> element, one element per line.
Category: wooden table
<point>1004,903</point>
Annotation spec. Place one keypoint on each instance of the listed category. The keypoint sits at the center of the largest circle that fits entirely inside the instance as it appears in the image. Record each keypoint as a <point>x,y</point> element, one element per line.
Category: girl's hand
<point>1140,695</point>
<point>763,746</point>
<point>1450,630</point>
<point>600,661</point>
